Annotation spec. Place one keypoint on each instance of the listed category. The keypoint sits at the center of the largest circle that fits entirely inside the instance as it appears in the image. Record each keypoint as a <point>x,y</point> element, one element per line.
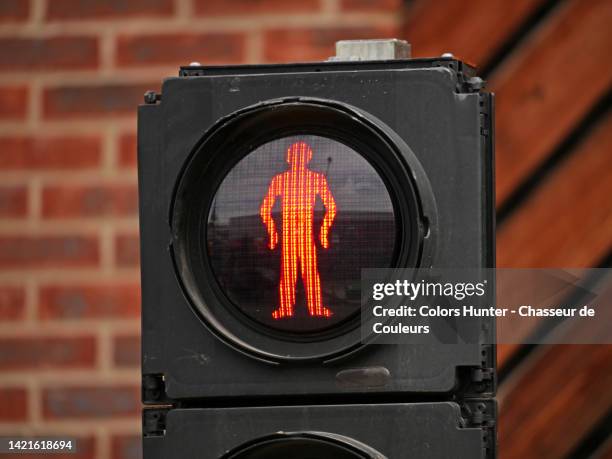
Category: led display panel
<point>290,228</point>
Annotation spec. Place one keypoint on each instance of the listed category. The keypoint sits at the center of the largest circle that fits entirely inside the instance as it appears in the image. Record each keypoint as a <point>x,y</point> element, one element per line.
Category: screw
<point>150,97</point>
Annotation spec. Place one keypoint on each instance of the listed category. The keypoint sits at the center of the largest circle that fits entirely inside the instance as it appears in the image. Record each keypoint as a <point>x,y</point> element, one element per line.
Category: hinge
<point>154,389</point>
<point>485,114</point>
<point>478,412</point>
<point>482,374</point>
<point>482,414</point>
<point>481,380</point>
<point>154,422</point>
<point>484,377</point>
<point>484,124</point>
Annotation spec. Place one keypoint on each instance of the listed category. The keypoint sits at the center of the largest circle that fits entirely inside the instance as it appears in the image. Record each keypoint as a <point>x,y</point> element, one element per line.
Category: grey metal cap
<point>371,50</point>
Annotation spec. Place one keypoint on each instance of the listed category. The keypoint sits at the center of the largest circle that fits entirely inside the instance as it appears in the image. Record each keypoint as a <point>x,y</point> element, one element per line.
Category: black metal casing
<point>417,430</point>
<point>435,107</point>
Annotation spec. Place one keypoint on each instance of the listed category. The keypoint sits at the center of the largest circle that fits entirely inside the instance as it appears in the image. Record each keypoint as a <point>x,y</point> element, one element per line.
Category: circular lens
<point>316,445</point>
<point>290,228</point>
<point>279,208</point>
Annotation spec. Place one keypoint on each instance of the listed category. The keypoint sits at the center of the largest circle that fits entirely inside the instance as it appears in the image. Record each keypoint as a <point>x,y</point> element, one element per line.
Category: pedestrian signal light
<point>264,192</point>
<point>291,226</point>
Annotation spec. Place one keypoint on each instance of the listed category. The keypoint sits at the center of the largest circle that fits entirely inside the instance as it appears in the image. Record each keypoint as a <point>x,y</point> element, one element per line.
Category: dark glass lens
<point>290,228</point>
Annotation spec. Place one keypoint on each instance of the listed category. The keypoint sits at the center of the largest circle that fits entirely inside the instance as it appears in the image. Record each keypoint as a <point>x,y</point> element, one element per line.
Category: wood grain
<point>555,401</point>
<point>548,86</point>
<point>471,33</point>
<point>567,223</point>
<point>561,392</point>
<point>605,451</point>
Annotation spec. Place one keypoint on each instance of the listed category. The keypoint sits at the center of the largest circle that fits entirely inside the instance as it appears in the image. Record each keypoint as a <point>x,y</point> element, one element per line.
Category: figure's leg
<point>312,281</point>
<point>288,279</point>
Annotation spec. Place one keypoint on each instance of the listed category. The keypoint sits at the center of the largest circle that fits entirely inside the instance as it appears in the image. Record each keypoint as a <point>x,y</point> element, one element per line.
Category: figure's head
<point>299,154</point>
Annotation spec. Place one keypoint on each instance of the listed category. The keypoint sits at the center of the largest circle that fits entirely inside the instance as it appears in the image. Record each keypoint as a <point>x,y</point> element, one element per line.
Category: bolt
<point>150,97</point>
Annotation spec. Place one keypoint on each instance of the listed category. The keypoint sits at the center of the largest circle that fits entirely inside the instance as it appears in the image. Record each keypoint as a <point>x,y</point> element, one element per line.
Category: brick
<point>12,303</point>
<point>93,101</point>
<point>13,102</point>
<point>127,250</point>
<point>56,53</point>
<point>48,251</point>
<point>14,403</point>
<point>126,351</point>
<point>13,201</point>
<point>14,10</point>
<point>247,7</point>
<point>294,45</point>
<point>66,201</point>
<point>100,301</point>
<point>127,151</point>
<point>35,352</point>
<point>126,447</point>
<point>90,402</point>
<point>371,5</point>
<point>177,49</point>
<point>117,9</point>
<point>44,152</point>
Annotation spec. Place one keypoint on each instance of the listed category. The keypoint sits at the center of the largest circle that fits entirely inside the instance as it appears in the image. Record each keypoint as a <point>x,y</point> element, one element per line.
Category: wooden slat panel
<point>561,393</point>
<point>504,352</point>
<point>605,451</point>
<point>556,401</point>
<point>472,30</point>
<point>568,221</point>
<point>548,86</point>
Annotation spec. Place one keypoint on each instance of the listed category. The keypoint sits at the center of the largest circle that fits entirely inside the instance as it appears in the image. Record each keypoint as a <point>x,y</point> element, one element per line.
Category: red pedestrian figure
<point>298,189</point>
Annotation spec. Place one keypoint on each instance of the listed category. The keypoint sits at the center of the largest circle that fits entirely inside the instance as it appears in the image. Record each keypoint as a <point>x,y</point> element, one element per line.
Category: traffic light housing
<point>390,431</point>
<point>264,190</point>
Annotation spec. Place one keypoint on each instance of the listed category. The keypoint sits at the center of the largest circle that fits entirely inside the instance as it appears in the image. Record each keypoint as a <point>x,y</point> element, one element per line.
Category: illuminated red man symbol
<point>298,189</point>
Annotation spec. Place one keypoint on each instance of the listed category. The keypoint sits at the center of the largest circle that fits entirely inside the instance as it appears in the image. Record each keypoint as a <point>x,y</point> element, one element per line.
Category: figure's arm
<point>330,211</point>
<point>265,211</point>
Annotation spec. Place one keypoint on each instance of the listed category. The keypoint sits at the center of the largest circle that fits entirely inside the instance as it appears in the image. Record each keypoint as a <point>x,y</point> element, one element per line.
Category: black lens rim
<point>241,133</point>
<point>322,444</point>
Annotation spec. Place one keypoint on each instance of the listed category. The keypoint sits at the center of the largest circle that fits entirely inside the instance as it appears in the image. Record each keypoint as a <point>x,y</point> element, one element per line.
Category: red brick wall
<point>71,75</point>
